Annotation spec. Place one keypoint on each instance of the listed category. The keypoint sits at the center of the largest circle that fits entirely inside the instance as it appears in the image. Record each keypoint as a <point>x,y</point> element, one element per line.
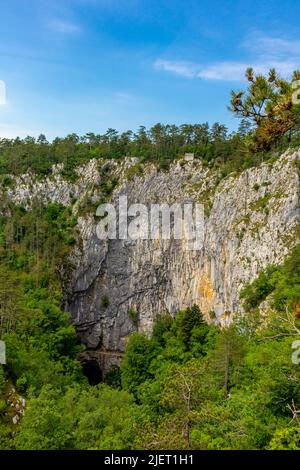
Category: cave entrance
<point>92,371</point>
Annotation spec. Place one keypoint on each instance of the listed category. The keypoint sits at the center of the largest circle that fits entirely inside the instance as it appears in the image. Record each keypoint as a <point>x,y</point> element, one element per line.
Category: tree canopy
<point>270,105</point>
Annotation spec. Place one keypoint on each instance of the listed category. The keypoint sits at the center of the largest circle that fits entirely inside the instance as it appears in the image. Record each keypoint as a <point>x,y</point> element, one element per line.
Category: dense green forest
<point>162,144</point>
<point>190,385</point>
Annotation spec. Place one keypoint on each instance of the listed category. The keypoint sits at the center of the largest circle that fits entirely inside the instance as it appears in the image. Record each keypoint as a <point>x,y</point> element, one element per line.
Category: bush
<point>2,378</point>
<point>105,301</point>
<point>191,318</point>
<point>140,351</point>
<point>162,325</point>
<point>283,282</point>
<point>134,316</point>
<point>260,288</point>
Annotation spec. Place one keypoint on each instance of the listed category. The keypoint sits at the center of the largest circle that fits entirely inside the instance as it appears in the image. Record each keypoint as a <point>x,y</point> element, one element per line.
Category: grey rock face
<point>251,221</point>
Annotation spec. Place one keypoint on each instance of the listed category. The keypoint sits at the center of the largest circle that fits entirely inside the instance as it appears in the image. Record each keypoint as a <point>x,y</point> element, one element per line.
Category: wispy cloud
<point>235,71</point>
<point>64,27</point>
<point>223,71</point>
<point>264,53</point>
<point>262,45</point>
<point>184,69</point>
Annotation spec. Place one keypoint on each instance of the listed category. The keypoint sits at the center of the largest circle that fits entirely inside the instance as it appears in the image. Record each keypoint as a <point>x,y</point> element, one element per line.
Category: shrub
<point>105,301</point>
<point>134,316</point>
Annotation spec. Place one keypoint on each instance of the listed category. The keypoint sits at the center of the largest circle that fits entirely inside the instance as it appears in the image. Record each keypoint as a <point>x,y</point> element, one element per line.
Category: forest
<point>191,385</point>
<point>161,145</point>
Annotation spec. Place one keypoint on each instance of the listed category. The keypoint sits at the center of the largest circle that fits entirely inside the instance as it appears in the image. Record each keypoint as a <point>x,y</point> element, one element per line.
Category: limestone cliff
<point>252,220</point>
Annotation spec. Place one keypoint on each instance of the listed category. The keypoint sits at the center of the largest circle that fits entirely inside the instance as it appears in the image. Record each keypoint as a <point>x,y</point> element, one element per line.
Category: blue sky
<point>86,65</point>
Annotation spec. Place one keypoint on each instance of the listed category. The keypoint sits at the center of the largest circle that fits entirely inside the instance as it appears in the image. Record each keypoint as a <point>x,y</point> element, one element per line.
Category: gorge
<point>115,287</point>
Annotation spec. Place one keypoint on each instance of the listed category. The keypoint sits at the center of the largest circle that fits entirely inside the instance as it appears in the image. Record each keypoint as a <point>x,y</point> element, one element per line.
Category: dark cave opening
<point>92,371</point>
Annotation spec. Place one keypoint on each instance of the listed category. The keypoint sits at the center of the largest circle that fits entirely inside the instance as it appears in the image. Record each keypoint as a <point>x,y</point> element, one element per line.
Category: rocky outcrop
<point>252,220</point>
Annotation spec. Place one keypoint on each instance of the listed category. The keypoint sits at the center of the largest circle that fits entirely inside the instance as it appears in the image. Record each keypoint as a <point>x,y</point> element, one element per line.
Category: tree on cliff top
<point>270,104</point>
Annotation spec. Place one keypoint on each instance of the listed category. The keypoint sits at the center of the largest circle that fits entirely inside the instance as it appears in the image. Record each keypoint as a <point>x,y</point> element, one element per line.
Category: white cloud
<point>184,69</point>
<point>267,52</point>
<point>64,27</point>
<point>219,71</point>
<point>235,71</point>
<point>223,71</point>
<point>262,45</point>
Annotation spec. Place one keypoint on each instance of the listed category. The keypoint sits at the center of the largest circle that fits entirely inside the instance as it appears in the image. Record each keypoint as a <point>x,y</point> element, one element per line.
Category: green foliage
<point>135,367</point>
<point>113,377</point>
<point>283,282</point>
<point>187,321</point>
<point>226,390</point>
<point>234,395</point>
<point>40,341</point>
<point>268,105</point>
<point>107,186</point>
<point>2,378</point>
<point>162,144</point>
<point>261,203</point>
<point>286,439</point>
<point>190,385</point>
<point>260,288</point>
<point>5,181</point>
<point>105,301</point>
<point>78,418</point>
<point>162,325</point>
<point>134,316</point>
<point>6,442</point>
<point>134,171</point>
